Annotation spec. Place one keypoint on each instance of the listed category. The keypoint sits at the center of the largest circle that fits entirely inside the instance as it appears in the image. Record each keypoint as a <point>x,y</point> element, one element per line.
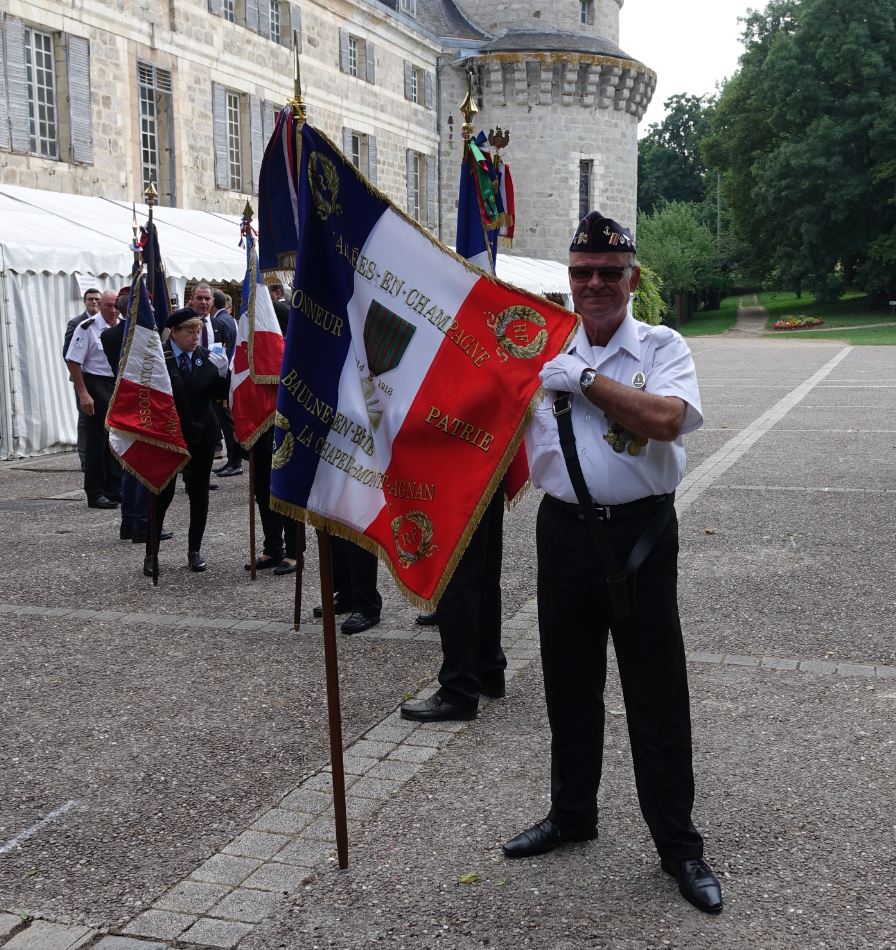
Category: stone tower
<point>554,75</point>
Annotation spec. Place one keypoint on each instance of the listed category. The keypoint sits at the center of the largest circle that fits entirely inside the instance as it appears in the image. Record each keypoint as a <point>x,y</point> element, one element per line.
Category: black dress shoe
<point>697,883</point>
<point>435,709</point>
<point>147,567</point>
<point>221,468</point>
<point>544,837</point>
<point>102,501</point>
<point>428,620</point>
<point>229,470</point>
<point>286,566</point>
<point>339,607</point>
<point>263,563</point>
<point>196,561</point>
<point>358,622</point>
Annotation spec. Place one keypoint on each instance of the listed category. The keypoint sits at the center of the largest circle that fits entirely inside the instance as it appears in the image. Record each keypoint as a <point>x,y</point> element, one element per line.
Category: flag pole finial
<point>468,108</point>
<point>298,101</point>
<point>248,213</point>
<point>151,195</point>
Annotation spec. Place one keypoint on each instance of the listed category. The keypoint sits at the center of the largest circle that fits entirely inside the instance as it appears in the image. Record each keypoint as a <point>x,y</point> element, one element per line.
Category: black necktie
<point>185,364</point>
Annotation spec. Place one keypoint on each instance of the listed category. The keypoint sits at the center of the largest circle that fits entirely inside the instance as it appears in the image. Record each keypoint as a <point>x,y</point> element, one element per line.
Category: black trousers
<point>102,473</point>
<point>573,621</point>
<point>196,476</point>
<point>354,577</point>
<point>225,421</point>
<point>469,614</point>
<point>283,537</point>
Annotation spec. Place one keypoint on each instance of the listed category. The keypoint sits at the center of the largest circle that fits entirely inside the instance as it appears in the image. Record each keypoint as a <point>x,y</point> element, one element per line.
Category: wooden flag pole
<point>154,536</point>
<point>333,704</point>
<point>252,570</point>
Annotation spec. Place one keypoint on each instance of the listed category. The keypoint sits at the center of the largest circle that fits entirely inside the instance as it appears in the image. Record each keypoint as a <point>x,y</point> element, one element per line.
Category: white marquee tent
<point>54,246</point>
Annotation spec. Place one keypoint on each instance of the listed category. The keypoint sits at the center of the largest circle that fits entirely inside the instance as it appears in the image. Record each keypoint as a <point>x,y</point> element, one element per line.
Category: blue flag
<point>476,241</point>
<point>155,275</point>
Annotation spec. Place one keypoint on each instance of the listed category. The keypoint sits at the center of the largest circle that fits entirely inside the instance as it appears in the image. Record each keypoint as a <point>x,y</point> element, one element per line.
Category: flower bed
<point>797,323</point>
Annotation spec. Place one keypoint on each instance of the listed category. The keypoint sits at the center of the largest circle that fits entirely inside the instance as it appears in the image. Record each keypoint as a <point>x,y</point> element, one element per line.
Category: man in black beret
<point>198,377</point>
<point>605,447</point>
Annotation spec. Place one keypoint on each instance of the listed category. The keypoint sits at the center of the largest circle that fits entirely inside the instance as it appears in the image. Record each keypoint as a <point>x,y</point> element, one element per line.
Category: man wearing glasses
<point>91,309</point>
<point>605,446</point>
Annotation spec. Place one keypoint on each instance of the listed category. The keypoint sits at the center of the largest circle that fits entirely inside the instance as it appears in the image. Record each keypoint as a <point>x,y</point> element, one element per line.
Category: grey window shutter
<point>256,139</point>
<point>216,7</point>
<point>17,86</point>
<point>371,159</point>
<point>267,121</point>
<point>347,142</point>
<point>427,89</point>
<point>80,116</point>
<point>371,62</point>
<point>343,51</point>
<point>408,76</point>
<point>219,120</point>
<point>295,26</point>
<point>252,15</point>
<point>4,112</point>
<point>430,191</point>
<point>409,161</point>
<point>264,18</point>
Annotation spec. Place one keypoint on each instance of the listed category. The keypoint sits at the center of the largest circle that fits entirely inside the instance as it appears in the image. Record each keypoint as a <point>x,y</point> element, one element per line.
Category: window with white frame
<point>416,185</point>
<point>154,93</point>
<point>586,169</point>
<point>587,12</point>
<point>360,149</point>
<point>276,22</point>
<point>243,124</point>
<point>356,56</point>
<point>354,45</point>
<point>408,6</point>
<point>234,141</point>
<point>228,10</point>
<point>41,75</point>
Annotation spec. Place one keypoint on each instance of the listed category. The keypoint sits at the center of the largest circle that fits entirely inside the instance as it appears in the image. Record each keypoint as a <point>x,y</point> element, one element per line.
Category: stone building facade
<point>96,96</point>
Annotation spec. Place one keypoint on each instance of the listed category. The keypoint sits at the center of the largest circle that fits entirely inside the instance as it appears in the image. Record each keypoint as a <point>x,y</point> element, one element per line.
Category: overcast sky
<point>690,46</point>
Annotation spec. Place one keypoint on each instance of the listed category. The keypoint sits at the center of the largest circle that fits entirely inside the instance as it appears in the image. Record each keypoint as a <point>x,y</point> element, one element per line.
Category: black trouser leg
<point>272,523</point>
<point>362,568</point>
<point>470,614</point>
<point>225,421</point>
<point>163,501</point>
<point>101,468</point>
<point>574,662</point>
<point>652,668</point>
<point>196,476</point>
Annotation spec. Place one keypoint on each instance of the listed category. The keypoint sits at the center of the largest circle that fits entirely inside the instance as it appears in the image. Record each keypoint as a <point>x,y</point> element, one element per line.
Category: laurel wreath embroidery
<point>500,323</point>
<point>407,558</point>
<point>323,178</point>
<point>284,451</point>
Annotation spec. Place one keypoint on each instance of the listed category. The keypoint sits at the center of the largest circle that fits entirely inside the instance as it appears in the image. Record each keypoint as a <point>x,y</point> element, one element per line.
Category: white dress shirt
<point>86,349</point>
<point>615,478</point>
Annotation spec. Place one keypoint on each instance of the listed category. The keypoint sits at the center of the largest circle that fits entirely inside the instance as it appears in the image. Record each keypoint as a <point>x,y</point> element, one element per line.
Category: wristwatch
<point>587,378</point>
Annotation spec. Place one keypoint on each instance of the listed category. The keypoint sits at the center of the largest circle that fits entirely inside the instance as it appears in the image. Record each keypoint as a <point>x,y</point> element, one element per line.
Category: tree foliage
<point>677,246</point>
<point>648,305</point>
<point>805,134</point>
<point>670,163</point>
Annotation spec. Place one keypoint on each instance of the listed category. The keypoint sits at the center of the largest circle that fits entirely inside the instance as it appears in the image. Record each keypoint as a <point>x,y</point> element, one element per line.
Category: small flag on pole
<point>144,427</point>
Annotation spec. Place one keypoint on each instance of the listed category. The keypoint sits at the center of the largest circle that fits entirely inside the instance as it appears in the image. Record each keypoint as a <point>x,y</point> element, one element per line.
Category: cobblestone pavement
<point>167,779</point>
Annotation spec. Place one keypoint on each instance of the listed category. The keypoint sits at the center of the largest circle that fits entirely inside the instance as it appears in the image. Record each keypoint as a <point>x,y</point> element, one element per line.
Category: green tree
<point>805,134</point>
<point>670,163</point>
<point>678,247</point>
<point>648,305</point>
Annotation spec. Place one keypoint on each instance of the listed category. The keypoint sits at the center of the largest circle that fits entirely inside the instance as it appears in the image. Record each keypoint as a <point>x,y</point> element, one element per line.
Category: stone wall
<point>498,16</point>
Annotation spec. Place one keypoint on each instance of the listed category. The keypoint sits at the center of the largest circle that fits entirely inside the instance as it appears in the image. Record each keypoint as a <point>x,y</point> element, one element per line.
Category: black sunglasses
<point>609,275</point>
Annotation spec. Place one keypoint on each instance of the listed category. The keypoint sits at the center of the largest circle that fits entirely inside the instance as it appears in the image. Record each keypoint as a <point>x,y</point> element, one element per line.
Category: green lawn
<point>706,322</point>
<point>854,309</point>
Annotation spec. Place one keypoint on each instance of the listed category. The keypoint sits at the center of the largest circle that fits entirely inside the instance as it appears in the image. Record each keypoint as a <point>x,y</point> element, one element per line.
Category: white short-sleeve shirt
<point>615,478</point>
<point>86,347</point>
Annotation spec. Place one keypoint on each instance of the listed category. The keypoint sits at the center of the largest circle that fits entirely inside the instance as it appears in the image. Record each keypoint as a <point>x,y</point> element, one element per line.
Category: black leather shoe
<point>221,468</point>
<point>229,470</point>
<point>358,623</point>
<point>339,607</point>
<point>428,620</point>
<point>544,837</point>
<point>697,883</point>
<point>147,567</point>
<point>102,502</point>
<point>263,563</point>
<point>435,709</point>
<point>196,561</point>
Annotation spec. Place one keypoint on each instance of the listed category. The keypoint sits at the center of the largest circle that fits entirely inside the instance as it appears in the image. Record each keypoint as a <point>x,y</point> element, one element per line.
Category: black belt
<point>631,509</point>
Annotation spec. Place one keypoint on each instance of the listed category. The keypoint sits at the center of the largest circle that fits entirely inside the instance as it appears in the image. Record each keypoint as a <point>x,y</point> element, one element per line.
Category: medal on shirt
<point>197,361</point>
<point>639,380</point>
<point>622,440</point>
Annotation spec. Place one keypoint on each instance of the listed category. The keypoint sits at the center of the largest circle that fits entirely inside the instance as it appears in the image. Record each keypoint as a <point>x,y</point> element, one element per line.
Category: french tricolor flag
<point>259,352</point>
<point>144,427</point>
<point>407,380</point>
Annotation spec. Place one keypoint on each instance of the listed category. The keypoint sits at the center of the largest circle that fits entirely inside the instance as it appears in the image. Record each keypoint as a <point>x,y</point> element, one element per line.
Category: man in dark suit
<point>198,378</point>
<point>222,321</point>
<point>91,309</point>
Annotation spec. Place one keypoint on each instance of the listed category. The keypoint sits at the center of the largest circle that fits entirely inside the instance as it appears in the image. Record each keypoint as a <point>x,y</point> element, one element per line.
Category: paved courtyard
<point>165,753</point>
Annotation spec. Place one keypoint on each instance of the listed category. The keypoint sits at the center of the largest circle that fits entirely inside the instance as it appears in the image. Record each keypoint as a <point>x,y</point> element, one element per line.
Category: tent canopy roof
<point>57,233</point>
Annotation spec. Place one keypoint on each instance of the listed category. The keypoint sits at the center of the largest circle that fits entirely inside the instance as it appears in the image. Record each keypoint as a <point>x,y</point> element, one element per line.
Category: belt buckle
<point>604,512</point>
<point>567,407</point>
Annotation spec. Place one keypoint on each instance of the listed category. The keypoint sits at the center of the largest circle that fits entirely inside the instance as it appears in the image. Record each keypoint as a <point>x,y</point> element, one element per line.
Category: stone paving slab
<point>8,923</point>
<point>216,933</point>
<point>44,935</point>
<point>127,943</point>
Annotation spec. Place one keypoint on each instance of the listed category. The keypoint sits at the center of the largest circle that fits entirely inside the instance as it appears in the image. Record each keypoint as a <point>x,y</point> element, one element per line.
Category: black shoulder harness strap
<point>620,581</point>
